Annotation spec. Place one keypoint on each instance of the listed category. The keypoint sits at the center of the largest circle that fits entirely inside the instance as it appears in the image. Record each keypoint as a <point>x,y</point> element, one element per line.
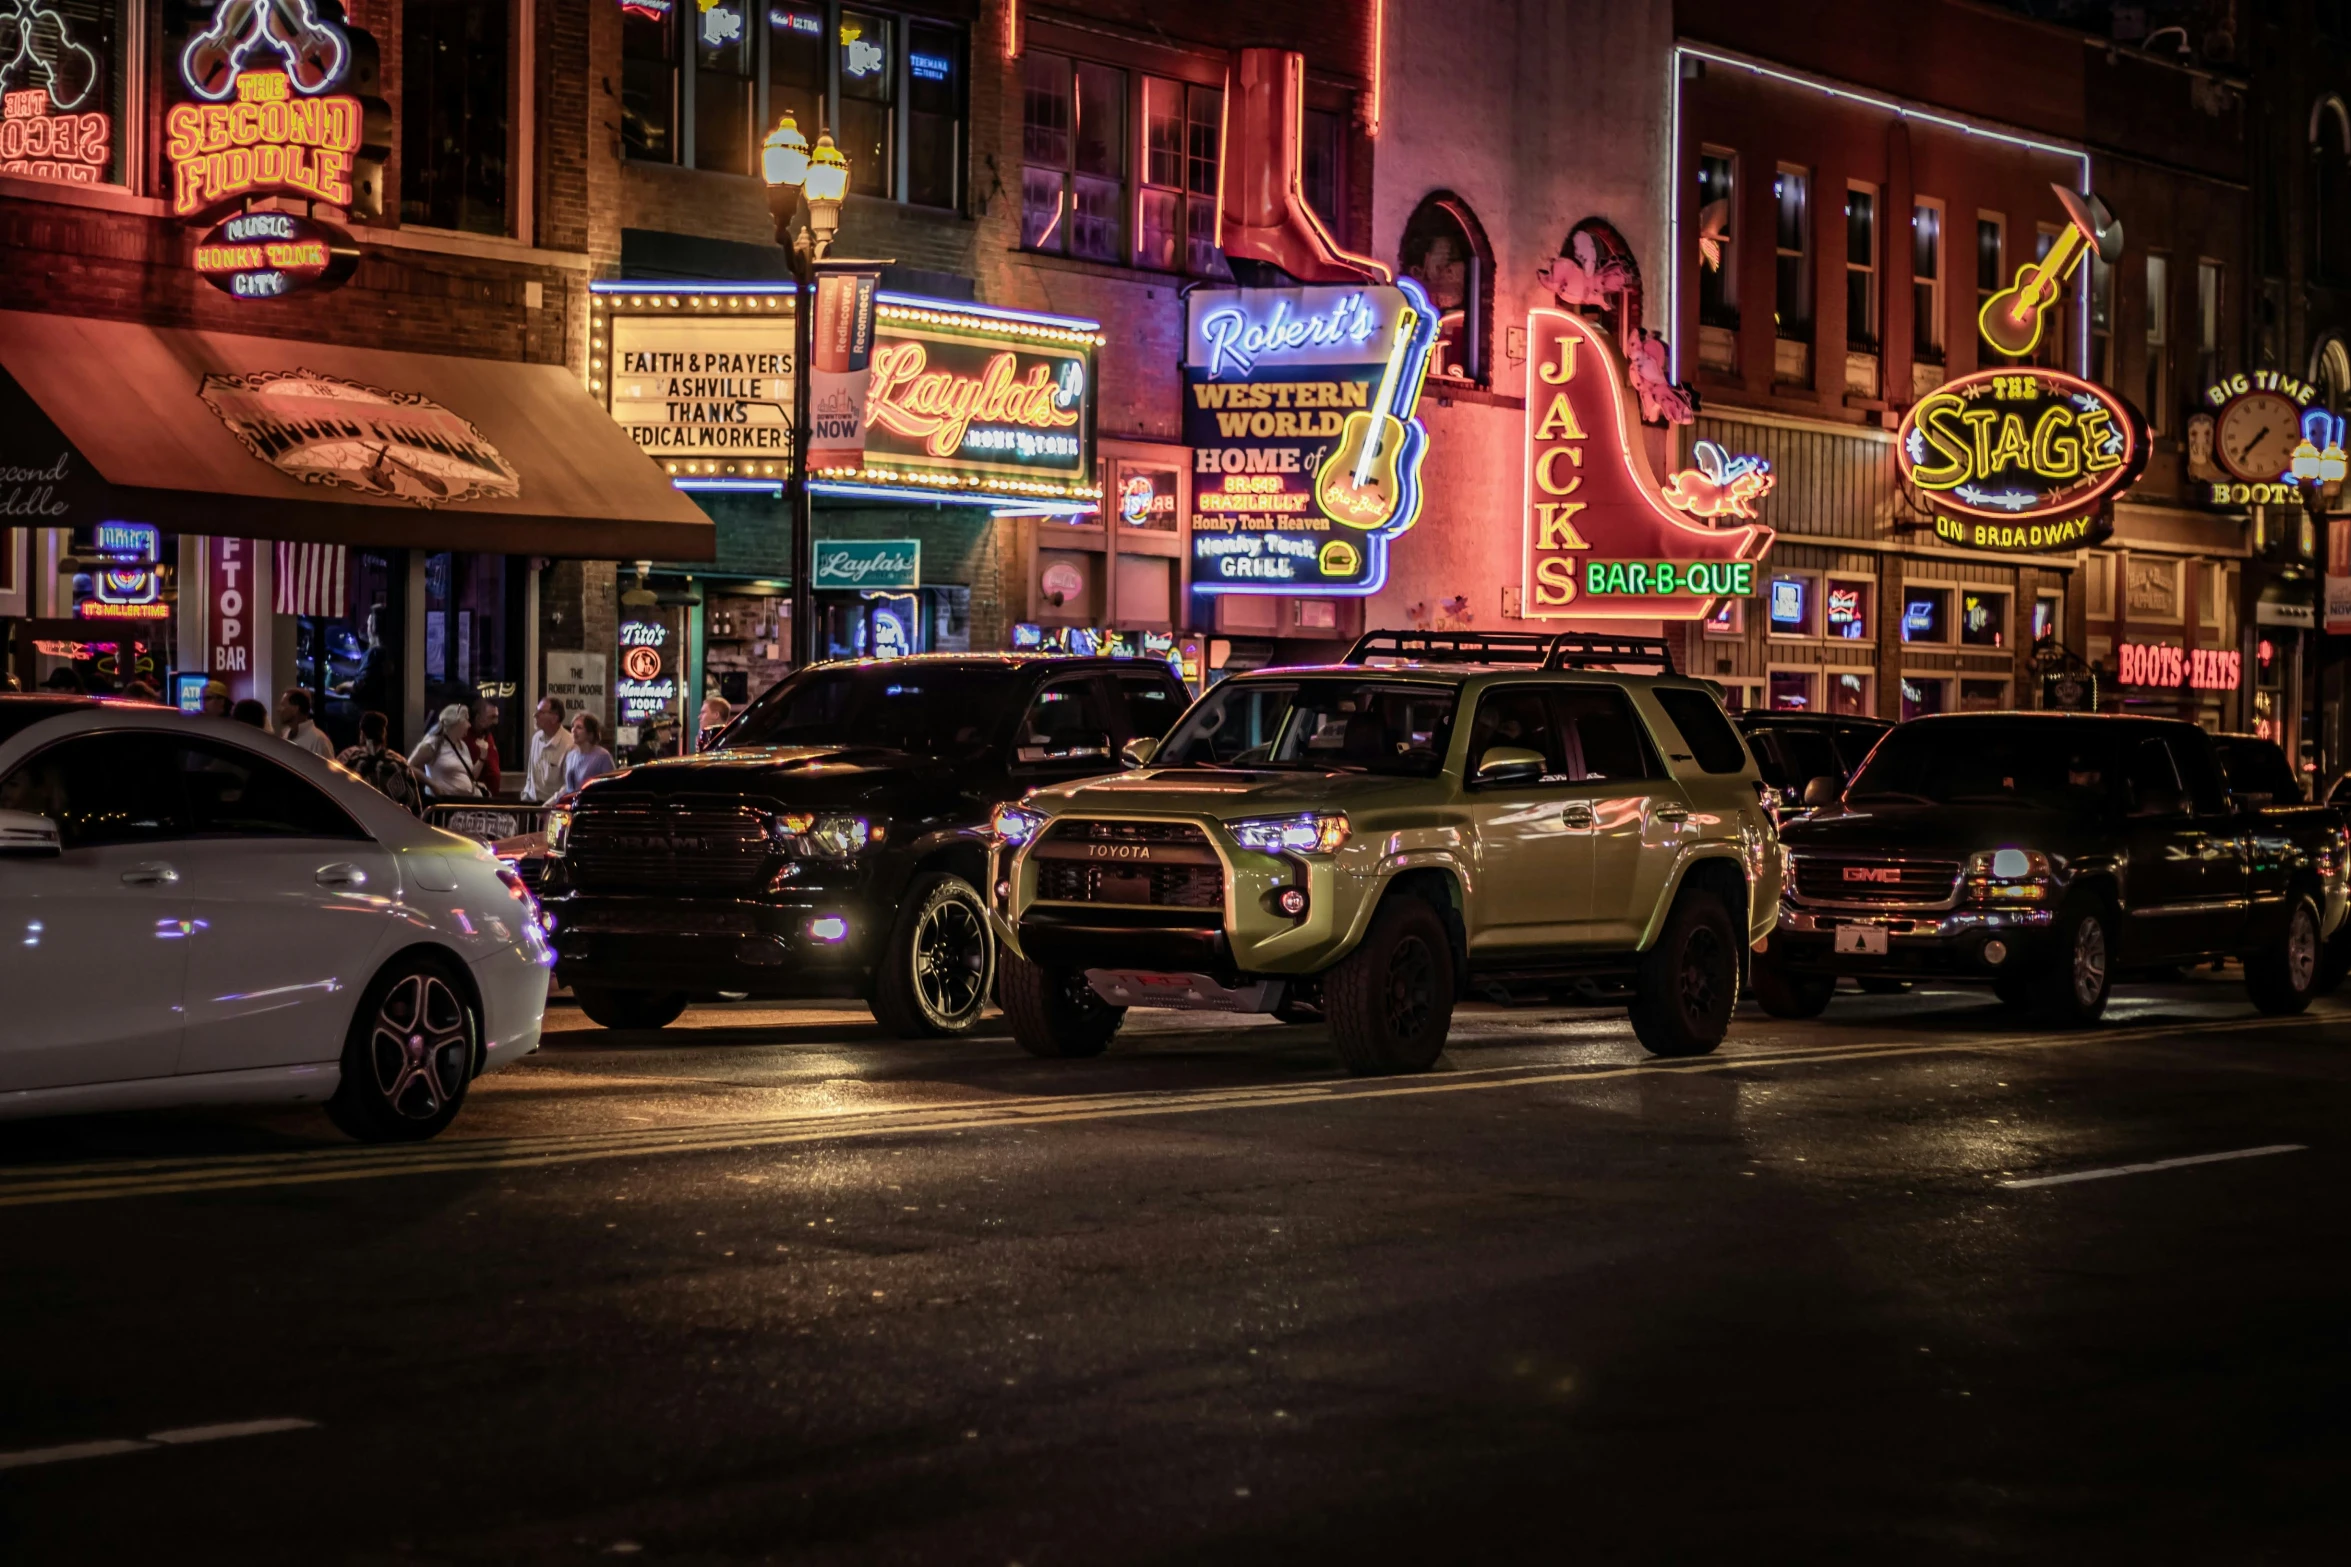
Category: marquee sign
<point>1299,409</point>
<point>325,430</point>
<point>262,255</point>
<point>970,400</point>
<point>2022,460</point>
<point>1603,537</point>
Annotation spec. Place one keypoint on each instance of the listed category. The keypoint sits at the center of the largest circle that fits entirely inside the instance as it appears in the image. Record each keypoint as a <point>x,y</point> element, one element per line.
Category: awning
<point>277,438</point>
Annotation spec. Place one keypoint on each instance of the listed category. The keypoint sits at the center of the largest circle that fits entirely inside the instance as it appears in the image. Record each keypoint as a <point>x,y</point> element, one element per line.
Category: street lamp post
<point>805,188</point>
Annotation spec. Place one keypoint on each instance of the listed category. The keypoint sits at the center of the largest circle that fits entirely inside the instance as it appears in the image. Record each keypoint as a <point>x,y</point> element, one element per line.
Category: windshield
<point>1320,724</point>
<point>930,709</point>
<point>2056,766</point>
<point>2259,767</point>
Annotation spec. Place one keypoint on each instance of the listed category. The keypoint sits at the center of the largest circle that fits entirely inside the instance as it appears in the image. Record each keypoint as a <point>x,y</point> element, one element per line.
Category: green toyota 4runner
<point>1442,815</point>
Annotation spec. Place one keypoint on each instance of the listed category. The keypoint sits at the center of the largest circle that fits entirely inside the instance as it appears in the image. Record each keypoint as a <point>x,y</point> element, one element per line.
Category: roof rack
<point>1590,650</point>
<point>1453,647</point>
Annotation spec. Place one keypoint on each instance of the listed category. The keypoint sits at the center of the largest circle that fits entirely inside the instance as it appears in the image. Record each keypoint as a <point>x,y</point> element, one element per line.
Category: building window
<point>889,89</point>
<point>1845,607</point>
<point>1718,269</point>
<point>2057,324</point>
<point>1792,296</point>
<point>1926,281</point>
<point>2207,324</point>
<point>2048,616</point>
<point>1861,268</point>
<point>63,80</point>
<point>1983,619</point>
<point>1921,696</point>
<point>1729,619</point>
<point>1849,695</point>
<point>1178,224</point>
<point>1789,603</point>
<point>1926,615</point>
<point>454,71</point>
<point>1444,248</point>
<point>2158,401</point>
<point>1073,146</point>
<point>1324,175</point>
<point>1991,237</point>
<point>1791,691</point>
<point>2098,591</point>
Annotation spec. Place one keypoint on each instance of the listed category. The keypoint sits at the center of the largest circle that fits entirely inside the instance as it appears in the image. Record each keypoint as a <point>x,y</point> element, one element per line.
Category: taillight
<point>516,888</point>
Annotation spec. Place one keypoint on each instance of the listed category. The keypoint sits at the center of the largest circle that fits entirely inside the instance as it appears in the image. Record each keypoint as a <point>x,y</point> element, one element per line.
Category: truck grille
<point>658,845</point>
<point>1820,879</point>
<point>1167,864</point>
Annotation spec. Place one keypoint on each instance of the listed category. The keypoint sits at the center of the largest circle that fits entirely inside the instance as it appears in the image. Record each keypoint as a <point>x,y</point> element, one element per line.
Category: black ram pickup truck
<point>2045,853</point>
<point>835,841</point>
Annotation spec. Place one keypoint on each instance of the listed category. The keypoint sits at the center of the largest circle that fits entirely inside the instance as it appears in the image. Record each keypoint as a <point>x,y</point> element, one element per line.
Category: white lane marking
<point>2159,1164</point>
<point>154,1439</point>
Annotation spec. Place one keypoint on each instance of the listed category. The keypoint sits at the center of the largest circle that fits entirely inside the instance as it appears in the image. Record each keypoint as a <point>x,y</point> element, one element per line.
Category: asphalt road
<point>767,1287</point>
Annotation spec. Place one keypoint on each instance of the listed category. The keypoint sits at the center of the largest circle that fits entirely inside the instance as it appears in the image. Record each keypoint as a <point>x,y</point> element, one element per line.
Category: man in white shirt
<point>550,744</point>
<point>295,727</point>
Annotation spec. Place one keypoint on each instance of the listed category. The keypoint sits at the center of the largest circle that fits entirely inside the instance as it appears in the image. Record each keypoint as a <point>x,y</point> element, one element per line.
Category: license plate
<point>1124,887</point>
<point>1869,940</point>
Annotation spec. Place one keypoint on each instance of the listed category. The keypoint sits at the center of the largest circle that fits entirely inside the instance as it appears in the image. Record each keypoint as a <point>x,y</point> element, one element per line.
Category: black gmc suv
<point>834,842</point>
<point>2044,852</point>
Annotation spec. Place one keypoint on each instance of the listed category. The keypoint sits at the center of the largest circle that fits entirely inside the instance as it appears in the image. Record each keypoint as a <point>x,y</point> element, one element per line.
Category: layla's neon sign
<point>1601,536</point>
<point>1234,342</point>
<point>267,140</point>
<point>939,407</point>
<point>2020,446</point>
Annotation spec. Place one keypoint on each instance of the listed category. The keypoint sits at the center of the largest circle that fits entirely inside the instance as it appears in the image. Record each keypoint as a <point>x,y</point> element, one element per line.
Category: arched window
<point>2330,189</point>
<point>1445,250</point>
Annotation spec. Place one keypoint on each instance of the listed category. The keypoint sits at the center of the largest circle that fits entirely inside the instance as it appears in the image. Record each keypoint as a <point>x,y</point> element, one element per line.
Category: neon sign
<point>1593,501</point>
<point>1846,617</point>
<point>1721,485</point>
<point>52,122</point>
<point>2027,451</point>
<point>311,54</point>
<point>261,255</point>
<point>75,148</point>
<point>1299,407</point>
<point>2199,668</point>
<point>2011,319</point>
<point>268,140</point>
<point>939,407</point>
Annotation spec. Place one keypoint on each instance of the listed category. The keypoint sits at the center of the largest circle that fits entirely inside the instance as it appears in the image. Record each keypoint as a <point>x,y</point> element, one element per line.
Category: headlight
<point>1015,825</point>
<point>833,836</point>
<point>1312,833</point>
<point>2010,875</point>
<point>558,831</point>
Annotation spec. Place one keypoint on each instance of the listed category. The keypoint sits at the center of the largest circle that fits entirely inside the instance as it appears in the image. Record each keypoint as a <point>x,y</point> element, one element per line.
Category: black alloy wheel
<point>1688,983</point>
<point>2283,976</point>
<point>409,1055</point>
<point>2071,991</point>
<point>1390,1001</point>
<point>940,964</point>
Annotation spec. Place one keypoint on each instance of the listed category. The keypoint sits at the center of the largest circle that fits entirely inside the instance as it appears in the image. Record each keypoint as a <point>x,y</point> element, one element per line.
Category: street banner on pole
<point>842,370</point>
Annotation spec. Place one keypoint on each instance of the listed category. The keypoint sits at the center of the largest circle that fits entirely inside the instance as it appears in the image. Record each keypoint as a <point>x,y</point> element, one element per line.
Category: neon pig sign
<point>1602,539</point>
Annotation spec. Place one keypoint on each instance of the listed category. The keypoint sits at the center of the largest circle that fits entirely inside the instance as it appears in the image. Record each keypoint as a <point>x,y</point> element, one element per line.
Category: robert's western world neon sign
<point>2020,460</point>
<point>1299,407</point>
<point>1603,537</point>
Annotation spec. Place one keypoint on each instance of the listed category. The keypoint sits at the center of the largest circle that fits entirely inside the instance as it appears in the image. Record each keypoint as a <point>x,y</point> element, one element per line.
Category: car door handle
<point>150,873</point>
<point>341,874</point>
<point>1671,813</point>
<point>1576,816</point>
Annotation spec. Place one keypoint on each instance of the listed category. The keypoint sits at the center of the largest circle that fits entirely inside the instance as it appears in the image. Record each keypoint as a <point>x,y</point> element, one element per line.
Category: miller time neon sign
<point>2020,460</point>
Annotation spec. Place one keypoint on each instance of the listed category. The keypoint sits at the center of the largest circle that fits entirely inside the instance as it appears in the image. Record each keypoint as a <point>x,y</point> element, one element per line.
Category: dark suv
<point>835,841</point>
<point>2045,852</point>
<point>1792,749</point>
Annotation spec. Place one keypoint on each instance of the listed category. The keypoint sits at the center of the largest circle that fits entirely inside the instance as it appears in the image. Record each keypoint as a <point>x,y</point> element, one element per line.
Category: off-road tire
<point>2282,976</point>
<point>629,1008</point>
<point>1782,994</point>
<point>411,1052</point>
<point>1390,1001</point>
<point>935,974</point>
<point>1688,983</point>
<point>1054,1013</point>
<point>2071,987</point>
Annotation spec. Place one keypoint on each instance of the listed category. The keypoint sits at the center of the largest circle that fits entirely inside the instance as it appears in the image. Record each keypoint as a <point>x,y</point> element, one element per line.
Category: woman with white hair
<point>442,759</point>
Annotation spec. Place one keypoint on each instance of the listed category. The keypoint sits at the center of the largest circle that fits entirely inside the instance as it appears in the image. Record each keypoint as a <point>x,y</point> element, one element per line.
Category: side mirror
<point>1508,764</point>
<point>2160,802</point>
<point>1139,751</point>
<point>1821,791</point>
<point>26,836</point>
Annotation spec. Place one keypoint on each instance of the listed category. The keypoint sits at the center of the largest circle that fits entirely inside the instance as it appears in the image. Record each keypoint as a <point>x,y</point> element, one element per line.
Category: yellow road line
<point>60,1184</point>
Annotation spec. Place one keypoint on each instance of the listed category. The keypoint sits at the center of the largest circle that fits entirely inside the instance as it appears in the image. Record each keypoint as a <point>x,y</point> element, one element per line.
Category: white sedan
<point>194,912</point>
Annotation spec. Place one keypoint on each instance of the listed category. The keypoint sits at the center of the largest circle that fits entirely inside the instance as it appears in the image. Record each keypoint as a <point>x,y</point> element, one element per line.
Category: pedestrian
<point>141,691</point>
<point>295,726</point>
<point>443,760</point>
<point>588,757</point>
<point>483,743</point>
<point>550,745</point>
<point>380,767</point>
<point>251,712</point>
<point>717,713</point>
<point>216,699</point>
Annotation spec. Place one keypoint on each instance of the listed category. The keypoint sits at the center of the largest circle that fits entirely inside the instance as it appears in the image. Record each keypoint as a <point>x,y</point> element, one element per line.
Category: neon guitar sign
<point>2012,319</point>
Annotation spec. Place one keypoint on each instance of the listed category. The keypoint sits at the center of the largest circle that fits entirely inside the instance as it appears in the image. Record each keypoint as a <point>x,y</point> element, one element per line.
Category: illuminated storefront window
<point>1926,616</point>
<point>1983,619</point>
<point>1846,607</point>
<point>61,92</point>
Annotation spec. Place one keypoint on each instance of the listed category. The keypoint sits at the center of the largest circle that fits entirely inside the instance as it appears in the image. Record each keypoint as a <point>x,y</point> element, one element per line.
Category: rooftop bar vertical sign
<point>1299,409</point>
<point>229,607</point>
